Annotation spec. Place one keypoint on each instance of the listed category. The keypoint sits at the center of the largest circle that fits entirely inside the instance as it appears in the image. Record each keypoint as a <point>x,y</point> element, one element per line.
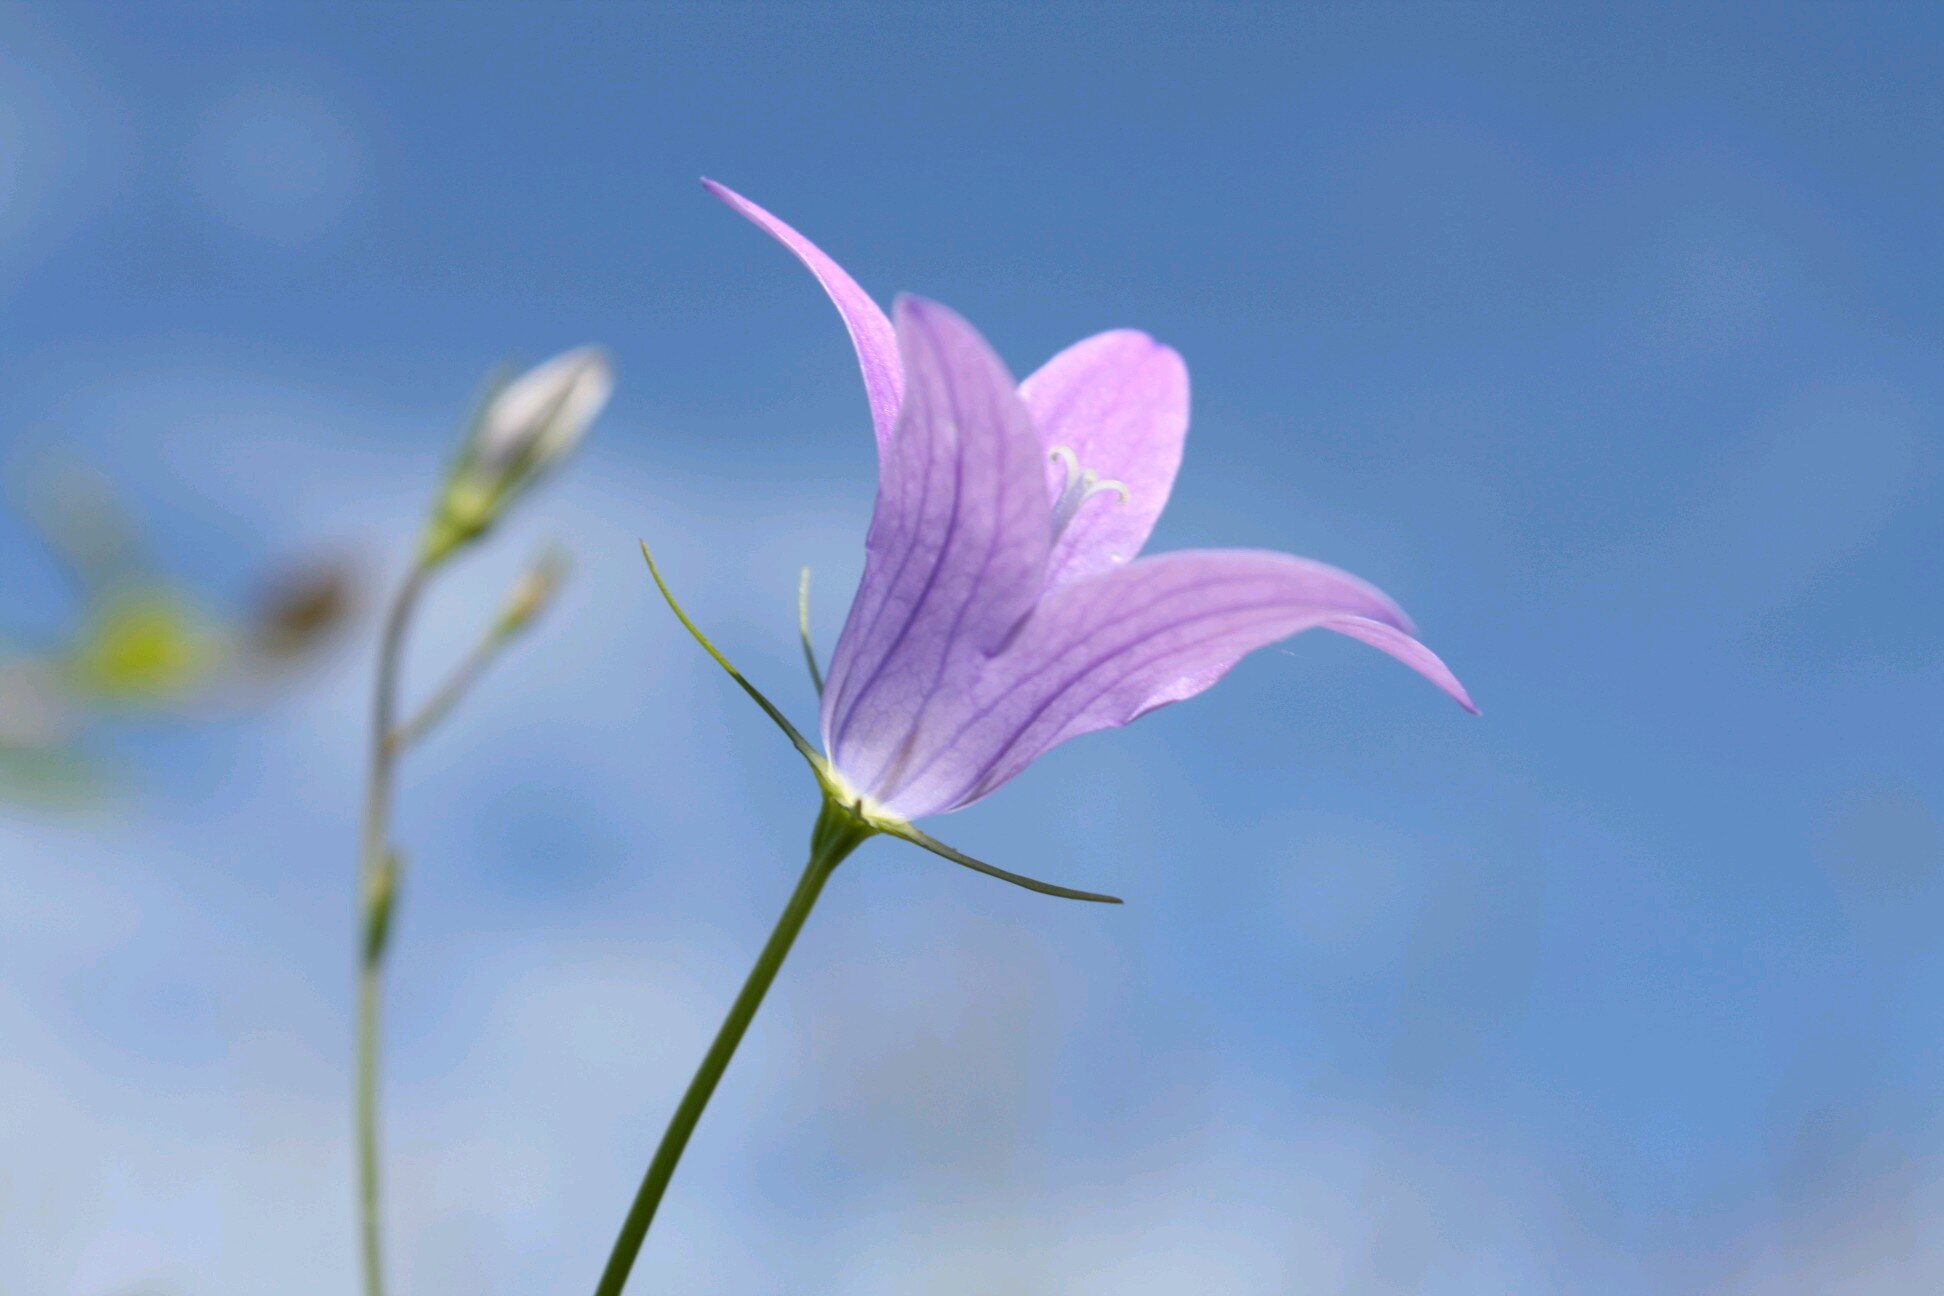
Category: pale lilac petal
<point>1119,402</point>
<point>956,553</point>
<point>1099,652</point>
<point>870,331</point>
<point>1390,639</point>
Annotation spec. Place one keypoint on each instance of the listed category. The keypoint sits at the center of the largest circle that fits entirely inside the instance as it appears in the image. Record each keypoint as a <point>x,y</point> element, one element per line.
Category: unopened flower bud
<point>534,590</point>
<point>380,896</point>
<point>542,414</point>
<point>300,607</point>
<point>526,427</point>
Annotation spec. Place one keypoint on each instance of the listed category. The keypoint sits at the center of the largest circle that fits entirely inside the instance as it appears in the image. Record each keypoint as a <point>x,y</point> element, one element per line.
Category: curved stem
<point>838,833</point>
<point>523,603</point>
<point>370,1229</point>
<point>378,882</point>
<point>440,704</point>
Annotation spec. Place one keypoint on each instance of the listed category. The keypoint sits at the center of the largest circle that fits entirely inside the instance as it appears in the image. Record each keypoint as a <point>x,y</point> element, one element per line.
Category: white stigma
<point>1082,484</point>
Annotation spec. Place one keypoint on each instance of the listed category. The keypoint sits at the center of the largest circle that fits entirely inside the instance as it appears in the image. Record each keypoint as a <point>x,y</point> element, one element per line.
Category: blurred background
<point>1606,338</point>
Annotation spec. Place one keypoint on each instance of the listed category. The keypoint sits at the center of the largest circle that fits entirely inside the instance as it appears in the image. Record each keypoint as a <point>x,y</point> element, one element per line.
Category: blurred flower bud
<point>530,596</point>
<point>526,427</point>
<point>542,414</point>
<point>300,608</point>
<point>380,895</point>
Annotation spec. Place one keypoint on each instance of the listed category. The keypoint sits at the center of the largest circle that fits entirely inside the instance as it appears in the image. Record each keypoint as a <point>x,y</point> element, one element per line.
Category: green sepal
<point>843,805</point>
<point>918,837</point>
<point>380,897</point>
<point>797,740</point>
<point>803,631</point>
<point>467,505</point>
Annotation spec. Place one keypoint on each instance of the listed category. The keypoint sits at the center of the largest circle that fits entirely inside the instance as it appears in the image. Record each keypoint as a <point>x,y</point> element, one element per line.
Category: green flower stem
<point>370,1227</point>
<point>839,831</point>
<point>463,677</point>
<point>378,885</point>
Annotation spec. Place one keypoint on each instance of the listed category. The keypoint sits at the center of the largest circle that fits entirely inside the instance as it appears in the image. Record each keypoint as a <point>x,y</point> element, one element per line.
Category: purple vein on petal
<point>914,431</point>
<point>893,532</point>
<point>938,560</point>
<point>1270,620</point>
<point>995,772</point>
<point>1209,609</point>
<point>1018,683</point>
<point>1346,595</point>
<point>972,553</point>
<point>891,765</point>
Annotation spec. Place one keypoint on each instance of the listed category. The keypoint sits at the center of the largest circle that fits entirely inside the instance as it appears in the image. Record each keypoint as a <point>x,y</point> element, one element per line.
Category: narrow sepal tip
<point>917,837</point>
<point>782,722</point>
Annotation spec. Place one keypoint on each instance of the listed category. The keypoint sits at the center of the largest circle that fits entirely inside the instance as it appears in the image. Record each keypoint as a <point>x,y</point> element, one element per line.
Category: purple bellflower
<point>1004,607</point>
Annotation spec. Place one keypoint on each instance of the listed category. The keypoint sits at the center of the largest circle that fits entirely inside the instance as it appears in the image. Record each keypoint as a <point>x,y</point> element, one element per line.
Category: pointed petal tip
<point>1405,648</point>
<point>938,325</point>
<point>1138,342</point>
<point>931,325</point>
<point>1447,683</point>
<point>1112,358</point>
<point>1141,337</point>
<point>871,332</point>
<point>736,202</point>
<point>912,306</point>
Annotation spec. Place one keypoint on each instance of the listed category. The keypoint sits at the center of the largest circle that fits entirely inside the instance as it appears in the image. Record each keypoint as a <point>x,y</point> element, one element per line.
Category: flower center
<point>1082,484</point>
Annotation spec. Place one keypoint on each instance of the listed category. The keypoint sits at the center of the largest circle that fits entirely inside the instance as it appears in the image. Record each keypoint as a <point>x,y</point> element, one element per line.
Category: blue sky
<point>1608,340</point>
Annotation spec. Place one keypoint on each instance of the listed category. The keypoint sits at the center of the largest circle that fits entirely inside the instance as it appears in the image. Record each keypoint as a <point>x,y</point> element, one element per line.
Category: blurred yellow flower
<point>145,646</point>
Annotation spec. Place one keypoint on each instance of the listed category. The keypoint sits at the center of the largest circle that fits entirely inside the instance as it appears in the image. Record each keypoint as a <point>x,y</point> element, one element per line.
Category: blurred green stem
<point>839,831</point>
<point>378,887</point>
<point>441,703</point>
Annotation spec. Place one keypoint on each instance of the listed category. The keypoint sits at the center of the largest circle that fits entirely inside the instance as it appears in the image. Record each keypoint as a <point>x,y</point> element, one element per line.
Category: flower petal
<point>1100,652</point>
<point>870,331</point>
<point>956,552</point>
<point>1119,402</point>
